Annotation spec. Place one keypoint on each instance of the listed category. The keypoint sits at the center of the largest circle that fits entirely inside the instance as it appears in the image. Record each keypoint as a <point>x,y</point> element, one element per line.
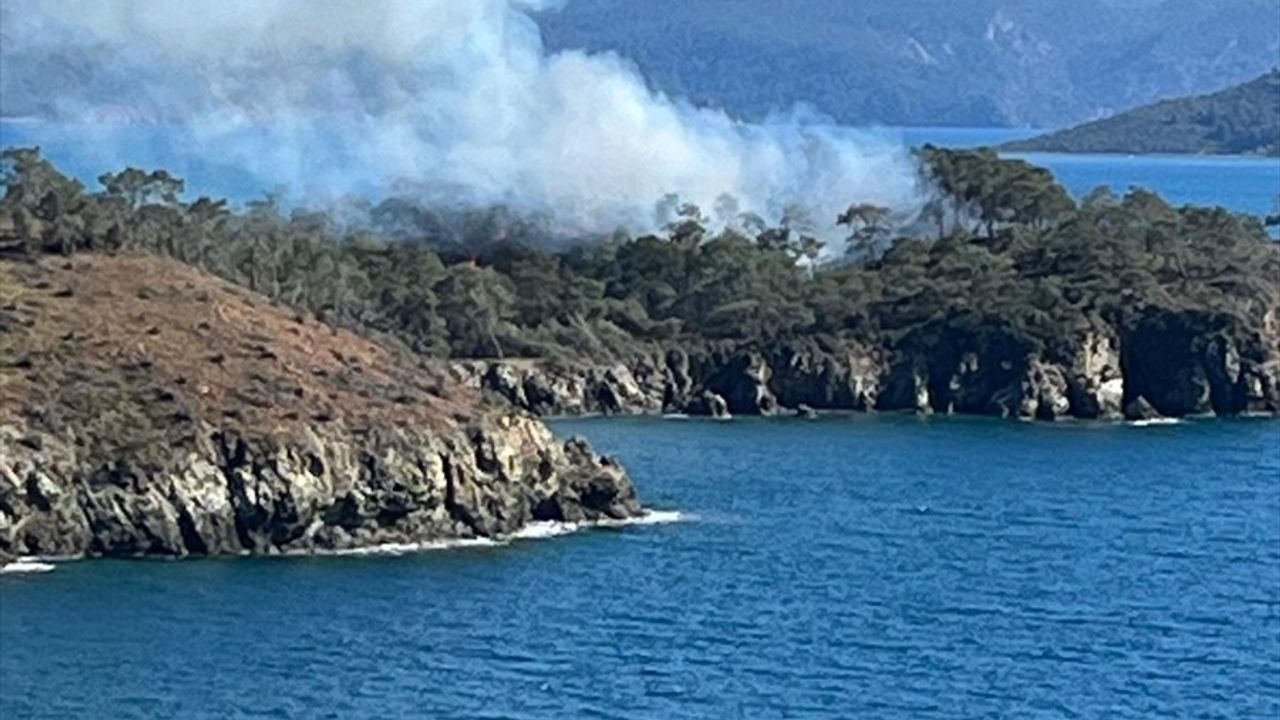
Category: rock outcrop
<point>328,488</point>
<point>1095,378</point>
<point>1179,363</point>
<point>147,409</point>
<point>1201,363</point>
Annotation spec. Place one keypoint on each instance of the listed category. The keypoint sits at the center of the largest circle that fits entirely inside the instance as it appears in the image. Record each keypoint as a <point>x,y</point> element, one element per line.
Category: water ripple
<point>839,568</point>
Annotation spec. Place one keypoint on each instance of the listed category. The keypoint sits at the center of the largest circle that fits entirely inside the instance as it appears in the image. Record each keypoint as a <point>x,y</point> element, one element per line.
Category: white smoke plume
<point>455,98</point>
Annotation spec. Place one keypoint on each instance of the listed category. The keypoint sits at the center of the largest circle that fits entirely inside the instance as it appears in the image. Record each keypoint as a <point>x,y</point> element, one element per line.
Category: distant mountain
<point>1244,119</point>
<point>1032,63</point>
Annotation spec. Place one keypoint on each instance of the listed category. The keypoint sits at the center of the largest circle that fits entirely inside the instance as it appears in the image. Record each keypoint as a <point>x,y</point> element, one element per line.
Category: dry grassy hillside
<point>152,344</point>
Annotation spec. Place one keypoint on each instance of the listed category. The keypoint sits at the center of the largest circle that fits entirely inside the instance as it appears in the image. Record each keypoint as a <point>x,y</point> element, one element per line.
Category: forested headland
<point>1240,120</point>
<point>1003,295</point>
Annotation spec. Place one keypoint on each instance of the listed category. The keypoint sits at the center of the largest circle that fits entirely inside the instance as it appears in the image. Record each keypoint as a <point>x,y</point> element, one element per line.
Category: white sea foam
<point>26,565</point>
<point>541,530</point>
<point>652,517</point>
<point>396,549</point>
<point>533,531</point>
<point>1152,422</point>
<point>550,529</point>
<point>545,529</point>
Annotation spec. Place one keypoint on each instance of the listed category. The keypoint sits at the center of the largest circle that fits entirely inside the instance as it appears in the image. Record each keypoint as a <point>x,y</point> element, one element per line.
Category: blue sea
<point>849,567</point>
<point>1242,184</point>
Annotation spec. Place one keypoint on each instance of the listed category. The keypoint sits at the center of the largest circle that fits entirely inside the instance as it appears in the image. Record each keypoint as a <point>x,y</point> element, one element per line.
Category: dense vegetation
<point>1244,119</point>
<point>1002,245</point>
<point>1036,63</point>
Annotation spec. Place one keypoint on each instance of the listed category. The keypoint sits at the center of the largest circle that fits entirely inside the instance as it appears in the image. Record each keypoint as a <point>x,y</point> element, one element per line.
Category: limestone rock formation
<point>1140,409</point>
<point>1180,363</point>
<point>1095,378</point>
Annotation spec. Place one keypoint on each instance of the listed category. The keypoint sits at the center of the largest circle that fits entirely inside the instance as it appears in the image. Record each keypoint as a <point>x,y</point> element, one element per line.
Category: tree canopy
<point>1244,119</point>
<point>999,242</point>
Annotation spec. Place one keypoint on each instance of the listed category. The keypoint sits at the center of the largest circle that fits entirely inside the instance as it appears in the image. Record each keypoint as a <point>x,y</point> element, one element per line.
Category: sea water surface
<point>863,567</point>
<point>1242,184</point>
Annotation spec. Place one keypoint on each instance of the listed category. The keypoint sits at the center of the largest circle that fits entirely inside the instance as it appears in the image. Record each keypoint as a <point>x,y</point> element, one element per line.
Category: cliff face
<point>1165,363</point>
<point>1200,363</point>
<point>146,409</point>
<point>329,489</point>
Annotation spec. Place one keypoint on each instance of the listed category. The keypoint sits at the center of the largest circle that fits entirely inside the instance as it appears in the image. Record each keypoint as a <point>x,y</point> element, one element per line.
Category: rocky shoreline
<point>188,416</point>
<point>327,490</point>
<point>184,416</point>
<point>1169,364</point>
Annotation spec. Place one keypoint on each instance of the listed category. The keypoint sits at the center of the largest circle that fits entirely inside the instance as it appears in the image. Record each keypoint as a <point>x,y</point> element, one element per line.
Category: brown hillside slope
<point>148,408</point>
<point>195,346</point>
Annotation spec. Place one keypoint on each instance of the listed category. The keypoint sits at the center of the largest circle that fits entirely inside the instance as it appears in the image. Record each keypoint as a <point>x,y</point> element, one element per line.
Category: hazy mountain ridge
<point>991,62</point>
<point>1243,119</point>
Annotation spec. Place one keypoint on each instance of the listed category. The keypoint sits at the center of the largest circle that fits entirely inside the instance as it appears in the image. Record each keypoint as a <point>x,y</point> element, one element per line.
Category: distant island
<point>1241,120</point>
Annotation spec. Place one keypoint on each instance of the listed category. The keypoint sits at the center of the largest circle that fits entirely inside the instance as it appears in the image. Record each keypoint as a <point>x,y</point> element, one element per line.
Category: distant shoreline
<point>1011,149</point>
<point>1240,120</point>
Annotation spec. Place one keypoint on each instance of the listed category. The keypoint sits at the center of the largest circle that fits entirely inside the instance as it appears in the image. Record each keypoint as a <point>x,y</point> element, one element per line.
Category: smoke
<point>456,100</point>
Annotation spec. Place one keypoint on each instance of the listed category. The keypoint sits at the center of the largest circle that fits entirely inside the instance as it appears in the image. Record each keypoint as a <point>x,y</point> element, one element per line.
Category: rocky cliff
<point>1162,363</point>
<point>147,409</point>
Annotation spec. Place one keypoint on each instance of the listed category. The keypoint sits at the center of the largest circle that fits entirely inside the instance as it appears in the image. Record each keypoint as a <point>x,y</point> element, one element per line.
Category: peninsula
<point>1240,120</point>
<point>149,409</point>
